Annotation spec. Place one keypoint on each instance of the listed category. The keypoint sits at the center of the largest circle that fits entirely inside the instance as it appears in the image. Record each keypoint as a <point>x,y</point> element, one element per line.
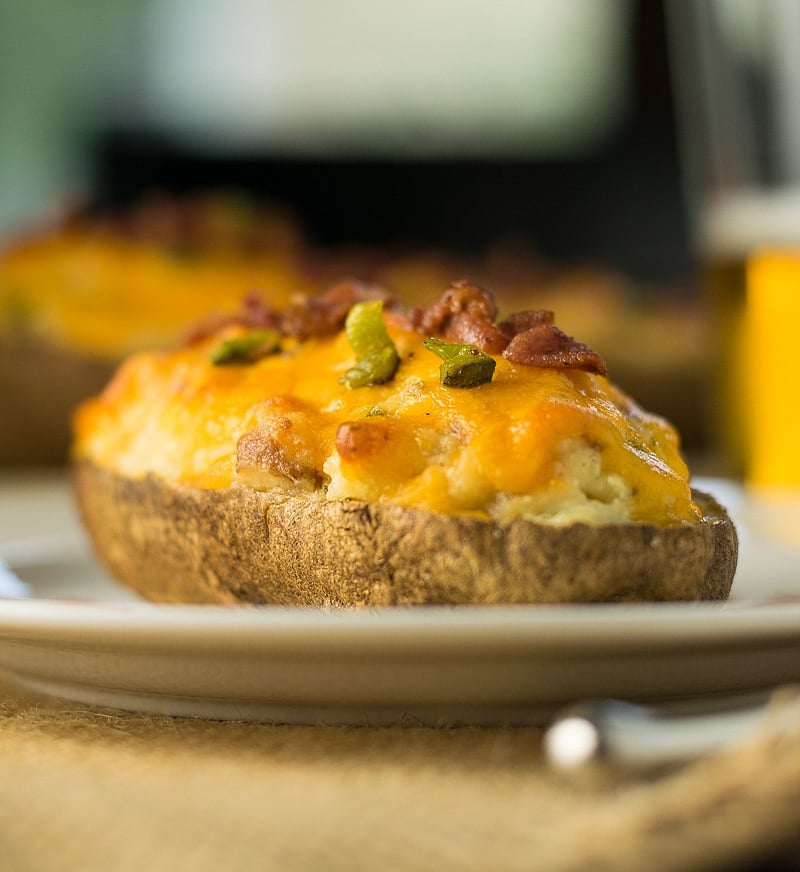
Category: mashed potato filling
<point>555,446</point>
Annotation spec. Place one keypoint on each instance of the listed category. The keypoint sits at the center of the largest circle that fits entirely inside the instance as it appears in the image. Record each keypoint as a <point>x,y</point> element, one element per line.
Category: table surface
<point>87,788</point>
<point>90,789</point>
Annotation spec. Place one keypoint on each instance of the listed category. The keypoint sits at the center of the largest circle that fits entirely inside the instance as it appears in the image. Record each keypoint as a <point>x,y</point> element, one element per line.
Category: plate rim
<point>587,626</point>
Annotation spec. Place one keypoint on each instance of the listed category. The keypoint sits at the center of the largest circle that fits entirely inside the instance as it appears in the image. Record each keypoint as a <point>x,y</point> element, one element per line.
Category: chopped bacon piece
<point>318,316</point>
<point>545,345</point>
<point>256,313</point>
<point>464,313</point>
<point>303,318</point>
<point>518,322</point>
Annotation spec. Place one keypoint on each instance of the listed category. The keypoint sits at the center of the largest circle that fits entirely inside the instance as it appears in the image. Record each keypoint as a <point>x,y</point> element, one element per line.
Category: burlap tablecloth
<point>90,789</point>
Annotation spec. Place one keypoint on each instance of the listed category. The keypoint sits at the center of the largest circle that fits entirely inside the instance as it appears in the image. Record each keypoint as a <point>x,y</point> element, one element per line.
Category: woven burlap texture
<point>87,789</point>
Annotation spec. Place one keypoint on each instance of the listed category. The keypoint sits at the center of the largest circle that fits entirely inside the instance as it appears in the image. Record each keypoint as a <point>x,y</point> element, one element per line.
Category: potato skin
<point>40,385</point>
<point>186,545</point>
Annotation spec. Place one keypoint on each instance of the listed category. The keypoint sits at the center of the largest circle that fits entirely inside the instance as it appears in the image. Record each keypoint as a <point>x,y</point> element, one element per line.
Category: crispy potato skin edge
<point>178,544</point>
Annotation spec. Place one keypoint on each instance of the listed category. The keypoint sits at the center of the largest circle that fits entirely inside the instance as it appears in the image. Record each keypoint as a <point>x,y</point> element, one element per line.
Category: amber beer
<point>772,339</point>
<point>753,295</point>
<point>724,296</point>
<point>752,291</point>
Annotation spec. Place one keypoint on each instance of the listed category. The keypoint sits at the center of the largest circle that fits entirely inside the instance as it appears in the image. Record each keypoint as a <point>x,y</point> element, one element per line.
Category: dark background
<point>619,206</point>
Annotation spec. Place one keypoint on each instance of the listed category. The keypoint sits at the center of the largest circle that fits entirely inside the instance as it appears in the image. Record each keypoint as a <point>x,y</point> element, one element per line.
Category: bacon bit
<point>325,314</point>
<point>485,334</point>
<point>256,313</point>
<point>465,313</point>
<point>305,317</point>
<point>460,297</point>
<point>519,322</point>
<point>545,345</point>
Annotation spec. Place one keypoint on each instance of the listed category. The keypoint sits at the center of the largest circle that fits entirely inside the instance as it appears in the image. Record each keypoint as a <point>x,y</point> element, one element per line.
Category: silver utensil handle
<point>11,587</point>
<point>634,736</point>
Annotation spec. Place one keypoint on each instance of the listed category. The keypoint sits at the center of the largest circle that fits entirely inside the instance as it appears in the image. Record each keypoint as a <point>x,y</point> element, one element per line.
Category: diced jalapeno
<point>463,366</point>
<point>376,357</point>
<point>246,349</point>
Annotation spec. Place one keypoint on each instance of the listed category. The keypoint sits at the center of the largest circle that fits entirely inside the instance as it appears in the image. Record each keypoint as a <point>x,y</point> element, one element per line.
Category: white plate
<point>80,637</point>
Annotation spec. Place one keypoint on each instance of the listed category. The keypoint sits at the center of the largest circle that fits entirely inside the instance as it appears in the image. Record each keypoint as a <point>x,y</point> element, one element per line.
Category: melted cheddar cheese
<point>556,446</point>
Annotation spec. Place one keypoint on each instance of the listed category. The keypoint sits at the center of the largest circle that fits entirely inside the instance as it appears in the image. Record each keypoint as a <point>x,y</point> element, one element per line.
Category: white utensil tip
<point>572,742</point>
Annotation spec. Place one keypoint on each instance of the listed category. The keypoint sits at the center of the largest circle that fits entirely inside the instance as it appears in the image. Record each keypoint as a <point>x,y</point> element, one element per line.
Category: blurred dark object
<point>619,206</point>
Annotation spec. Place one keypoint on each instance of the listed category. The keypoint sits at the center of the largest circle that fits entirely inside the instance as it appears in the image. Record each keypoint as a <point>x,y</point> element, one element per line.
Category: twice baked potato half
<point>435,456</point>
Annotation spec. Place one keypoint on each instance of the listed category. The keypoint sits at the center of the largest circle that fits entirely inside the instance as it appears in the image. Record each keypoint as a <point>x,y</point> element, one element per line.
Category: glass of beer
<point>737,82</point>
